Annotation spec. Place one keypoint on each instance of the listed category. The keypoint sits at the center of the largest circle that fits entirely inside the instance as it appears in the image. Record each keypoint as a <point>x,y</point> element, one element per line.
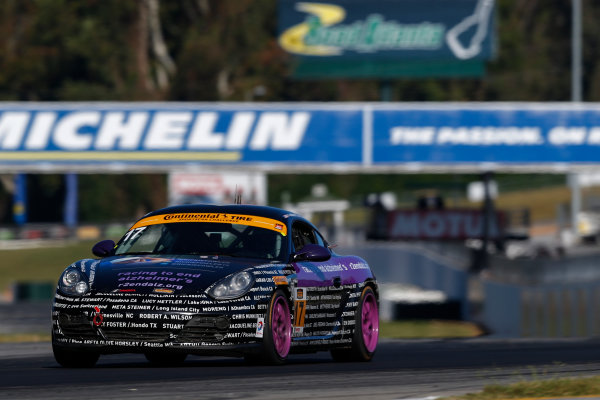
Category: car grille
<point>204,328</point>
<point>201,328</point>
<point>77,326</point>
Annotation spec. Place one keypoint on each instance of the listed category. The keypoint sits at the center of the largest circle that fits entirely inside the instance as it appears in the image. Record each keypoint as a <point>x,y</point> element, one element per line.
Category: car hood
<point>183,274</point>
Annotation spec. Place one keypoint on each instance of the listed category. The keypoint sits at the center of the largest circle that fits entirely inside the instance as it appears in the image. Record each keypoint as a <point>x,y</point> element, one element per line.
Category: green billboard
<point>387,38</point>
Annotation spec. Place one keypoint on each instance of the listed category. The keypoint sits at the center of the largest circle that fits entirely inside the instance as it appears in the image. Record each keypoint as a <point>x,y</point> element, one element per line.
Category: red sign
<point>442,224</point>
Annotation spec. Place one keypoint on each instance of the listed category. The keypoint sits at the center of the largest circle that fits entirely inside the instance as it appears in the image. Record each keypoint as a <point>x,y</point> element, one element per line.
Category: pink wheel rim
<point>281,327</point>
<point>370,322</point>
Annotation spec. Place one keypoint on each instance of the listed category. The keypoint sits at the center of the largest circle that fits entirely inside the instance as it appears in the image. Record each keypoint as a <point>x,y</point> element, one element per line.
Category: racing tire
<point>74,359</point>
<point>366,331</point>
<point>165,359</point>
<point>277,336</point>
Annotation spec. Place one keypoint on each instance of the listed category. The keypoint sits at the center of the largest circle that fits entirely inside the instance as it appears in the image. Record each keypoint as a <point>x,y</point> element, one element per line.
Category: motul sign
<point>443,224</point>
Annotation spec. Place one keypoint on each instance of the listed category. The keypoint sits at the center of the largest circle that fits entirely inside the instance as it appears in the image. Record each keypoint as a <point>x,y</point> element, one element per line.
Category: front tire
<point>277,339</point>
<point>74,359</point>
<point>165,359</point>
<point>366,331</point>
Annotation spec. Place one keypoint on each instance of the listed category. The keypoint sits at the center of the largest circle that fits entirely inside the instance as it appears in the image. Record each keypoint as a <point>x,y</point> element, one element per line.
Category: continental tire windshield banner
<point>389,37</point>
<point>297,136</point>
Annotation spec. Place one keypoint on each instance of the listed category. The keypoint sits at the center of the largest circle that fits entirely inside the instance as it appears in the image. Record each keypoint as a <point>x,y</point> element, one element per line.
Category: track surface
<point>401,369</point>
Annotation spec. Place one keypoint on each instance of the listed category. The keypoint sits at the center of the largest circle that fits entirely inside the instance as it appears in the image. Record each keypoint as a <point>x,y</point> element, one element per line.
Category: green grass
<point>40,264</point>
<point>551,388</point>
<point>428,329</point>
<point>24,337</point>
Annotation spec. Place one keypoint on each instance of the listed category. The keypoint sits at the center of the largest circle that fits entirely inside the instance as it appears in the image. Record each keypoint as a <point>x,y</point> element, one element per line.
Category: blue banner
<point>179,133</point>
<point>515,134</point>
<point>163,136</point>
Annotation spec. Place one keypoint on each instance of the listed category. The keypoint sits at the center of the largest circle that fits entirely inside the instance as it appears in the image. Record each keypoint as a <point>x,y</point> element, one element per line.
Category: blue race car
<point>238,280</point>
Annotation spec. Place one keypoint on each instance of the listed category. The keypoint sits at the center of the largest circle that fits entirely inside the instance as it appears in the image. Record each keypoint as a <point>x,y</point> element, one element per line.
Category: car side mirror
<point>312,252</point>
<point>104,248</point>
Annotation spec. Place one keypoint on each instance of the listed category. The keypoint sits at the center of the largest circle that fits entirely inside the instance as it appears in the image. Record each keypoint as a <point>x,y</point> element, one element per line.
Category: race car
<point>235,280</point>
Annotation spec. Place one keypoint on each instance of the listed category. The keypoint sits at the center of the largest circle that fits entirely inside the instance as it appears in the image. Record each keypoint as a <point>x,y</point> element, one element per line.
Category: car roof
<point>261,211</point>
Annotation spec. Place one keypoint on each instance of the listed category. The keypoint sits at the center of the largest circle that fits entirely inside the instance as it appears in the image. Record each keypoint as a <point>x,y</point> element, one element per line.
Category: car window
<point>303,234</point>
<point>320,240</point>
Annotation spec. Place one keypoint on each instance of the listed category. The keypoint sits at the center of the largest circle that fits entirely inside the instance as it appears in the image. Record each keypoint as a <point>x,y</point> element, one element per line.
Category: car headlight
<point>73,282</point>
<point>232,287</point>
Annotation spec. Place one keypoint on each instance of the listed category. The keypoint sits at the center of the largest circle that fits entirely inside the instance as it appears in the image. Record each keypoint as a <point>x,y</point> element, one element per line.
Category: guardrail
<point>553,310</point>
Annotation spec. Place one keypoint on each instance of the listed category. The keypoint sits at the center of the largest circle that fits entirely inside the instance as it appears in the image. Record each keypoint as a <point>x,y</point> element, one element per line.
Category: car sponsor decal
<point>260,327</point>
<point>160,290</point>
<point>299,313</point>
<point>280,280</point>
<point>98,318</point>
<point>300,294</point>
<point>249,220</point>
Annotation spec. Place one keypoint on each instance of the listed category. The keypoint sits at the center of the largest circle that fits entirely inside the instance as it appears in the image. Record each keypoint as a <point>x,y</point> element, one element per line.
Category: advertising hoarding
<point>365,38</point>
<point>506,134</point>
<point>286,137</point>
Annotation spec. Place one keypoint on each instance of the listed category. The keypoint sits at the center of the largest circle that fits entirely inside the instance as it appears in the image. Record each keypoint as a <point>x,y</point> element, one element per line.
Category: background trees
<point>226,50</point>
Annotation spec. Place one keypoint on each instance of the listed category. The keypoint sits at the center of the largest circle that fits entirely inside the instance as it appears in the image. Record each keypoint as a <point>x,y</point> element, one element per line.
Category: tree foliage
<point>226,50</point>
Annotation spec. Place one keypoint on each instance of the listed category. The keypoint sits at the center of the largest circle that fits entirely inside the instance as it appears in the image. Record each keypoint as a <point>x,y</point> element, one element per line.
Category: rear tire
<point>366,331</point>
<point>277,337</point>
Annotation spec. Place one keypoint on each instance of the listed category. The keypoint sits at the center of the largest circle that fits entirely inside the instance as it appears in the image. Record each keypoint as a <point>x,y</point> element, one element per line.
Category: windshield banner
<point>249,220</point>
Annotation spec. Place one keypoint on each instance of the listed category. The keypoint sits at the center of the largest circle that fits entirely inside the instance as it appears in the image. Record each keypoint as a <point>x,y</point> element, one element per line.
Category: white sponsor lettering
<point>68,133</point>
<point>145,130</point>
<point>167,130</point>
<point>203,135</point>
<point>594,136</point>
<point>40,130</point>
<point>479,135</point>
<point>240,129</point>
<point>562,135</point>
<point>280,131</point>
<point>125,129</point>
<point>12,128</point>
<point>410,135</point>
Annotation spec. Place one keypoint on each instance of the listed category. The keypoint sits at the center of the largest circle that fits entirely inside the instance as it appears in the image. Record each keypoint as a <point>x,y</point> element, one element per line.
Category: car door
<point>318,296</point>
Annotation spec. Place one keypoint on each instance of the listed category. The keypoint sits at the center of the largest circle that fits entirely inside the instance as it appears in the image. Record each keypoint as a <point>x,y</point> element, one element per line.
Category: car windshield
<point>204,238</point>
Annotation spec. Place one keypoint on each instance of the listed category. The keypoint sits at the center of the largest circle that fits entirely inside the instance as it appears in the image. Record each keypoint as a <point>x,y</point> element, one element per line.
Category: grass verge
<point>555,388</point>
<point>40,264</point>
<point>24,337</point>
<point>428,329</point>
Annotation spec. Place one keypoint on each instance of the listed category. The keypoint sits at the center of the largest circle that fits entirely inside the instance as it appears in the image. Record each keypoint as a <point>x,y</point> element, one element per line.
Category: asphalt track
<point>401,369</point>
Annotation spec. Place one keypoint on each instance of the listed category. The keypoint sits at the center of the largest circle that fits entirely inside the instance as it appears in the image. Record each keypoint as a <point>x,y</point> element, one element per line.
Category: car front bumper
<point>139,323</point>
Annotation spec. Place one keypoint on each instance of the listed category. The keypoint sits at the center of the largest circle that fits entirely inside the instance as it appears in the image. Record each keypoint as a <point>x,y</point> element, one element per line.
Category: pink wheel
<point>281,327</point>
<point>370,322</point>
<point>366,330</point>
<point>277,339</point>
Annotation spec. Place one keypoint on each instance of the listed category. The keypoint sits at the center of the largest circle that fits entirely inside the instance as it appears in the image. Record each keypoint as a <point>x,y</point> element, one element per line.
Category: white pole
<point>576,72</point>
<point>576,96</point>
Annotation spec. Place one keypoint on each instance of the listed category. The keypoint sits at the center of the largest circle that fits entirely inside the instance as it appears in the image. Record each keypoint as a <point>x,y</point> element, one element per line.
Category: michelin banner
<point>358,136</point>
<point>179,133</point>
